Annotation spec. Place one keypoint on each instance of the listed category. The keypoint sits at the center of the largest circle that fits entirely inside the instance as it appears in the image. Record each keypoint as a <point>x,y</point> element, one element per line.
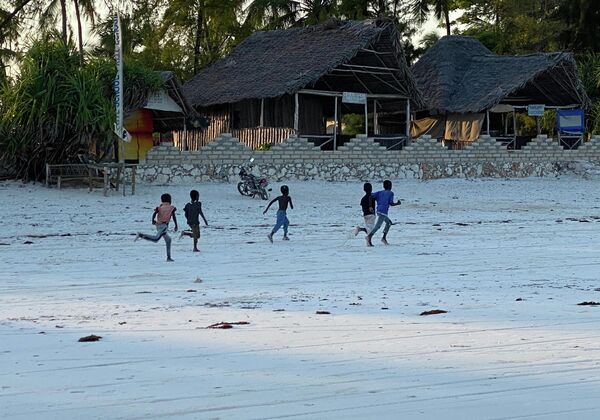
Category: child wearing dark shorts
<point>192,211</point>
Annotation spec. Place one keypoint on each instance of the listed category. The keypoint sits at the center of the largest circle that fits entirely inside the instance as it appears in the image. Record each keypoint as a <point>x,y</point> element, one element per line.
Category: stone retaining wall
<point>362,158</point>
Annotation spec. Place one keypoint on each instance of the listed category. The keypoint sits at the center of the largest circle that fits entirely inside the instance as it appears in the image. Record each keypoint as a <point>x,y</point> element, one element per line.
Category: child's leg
<point>286,224</point>
<point>279,223</point>
<point>196,236</point>
<point>369,223</point>
<point>388,224</point>
<point>380,218</point>
<point>168,244</point>
<point>161,230</point>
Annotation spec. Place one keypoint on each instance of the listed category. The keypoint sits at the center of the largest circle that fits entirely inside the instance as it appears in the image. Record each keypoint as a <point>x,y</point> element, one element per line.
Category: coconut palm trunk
<point>79,30</point>
<point>63,12</point>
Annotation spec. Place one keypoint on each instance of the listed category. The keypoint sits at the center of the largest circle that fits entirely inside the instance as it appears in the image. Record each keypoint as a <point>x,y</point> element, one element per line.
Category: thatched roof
<point>459,75</point>
<point>274,63</point>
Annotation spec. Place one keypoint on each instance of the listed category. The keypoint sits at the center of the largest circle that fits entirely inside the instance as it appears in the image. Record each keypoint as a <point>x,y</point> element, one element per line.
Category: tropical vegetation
<point>56,65</point>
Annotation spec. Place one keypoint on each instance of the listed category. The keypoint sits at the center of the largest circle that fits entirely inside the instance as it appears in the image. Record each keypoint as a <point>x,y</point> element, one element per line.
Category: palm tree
<point>441,9</point>
<point>49,11</point>
<point>270,14</point>
<point>87,7</point>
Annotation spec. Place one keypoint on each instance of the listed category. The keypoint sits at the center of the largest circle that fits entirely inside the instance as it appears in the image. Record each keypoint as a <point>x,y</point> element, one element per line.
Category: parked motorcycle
<point>252,185</point>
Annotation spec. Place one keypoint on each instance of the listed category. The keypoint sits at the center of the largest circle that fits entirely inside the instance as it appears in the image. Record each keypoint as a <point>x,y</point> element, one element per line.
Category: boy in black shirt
<point>284,199</point>
<point>368,208</point>
<point>192,210</point>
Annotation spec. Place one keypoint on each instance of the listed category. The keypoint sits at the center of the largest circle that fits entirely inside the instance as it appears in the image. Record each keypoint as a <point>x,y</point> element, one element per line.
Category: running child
<point>160,218</point>
<point>192,210</point>
<point>385,199</point>
<point>368,208</point>
<point>282,221</point>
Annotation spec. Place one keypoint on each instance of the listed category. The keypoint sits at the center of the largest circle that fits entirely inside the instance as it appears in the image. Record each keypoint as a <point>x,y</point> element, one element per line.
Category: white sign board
<point>535,110</point>
<point>354,98</point>
<point>163,102</point>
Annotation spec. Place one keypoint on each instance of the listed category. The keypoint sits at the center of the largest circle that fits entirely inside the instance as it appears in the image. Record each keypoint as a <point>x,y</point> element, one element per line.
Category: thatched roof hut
<point>460,75</point>
<point>462,82</point>
<point>283,81</point>
<point>282,62</point>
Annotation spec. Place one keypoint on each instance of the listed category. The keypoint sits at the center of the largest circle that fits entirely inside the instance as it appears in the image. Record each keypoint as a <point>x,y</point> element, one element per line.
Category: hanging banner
<point>535,110</point>
<point>118,83</point>
<point>354,98</point>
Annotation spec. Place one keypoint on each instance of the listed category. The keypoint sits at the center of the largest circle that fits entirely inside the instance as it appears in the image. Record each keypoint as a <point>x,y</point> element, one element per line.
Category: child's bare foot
<point>137,236</point>
<point>169,259</point>
<point>270,236</point>
<point>196,250</point>
<point>369,243</point>
<point>285,238</point>
<point>385,242</point>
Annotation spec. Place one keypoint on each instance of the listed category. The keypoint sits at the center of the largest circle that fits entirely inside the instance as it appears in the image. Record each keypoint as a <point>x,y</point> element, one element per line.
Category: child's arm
<point>272,201</point>
<point>174,220</point>
<point>291,204</point>
<point>202,214</point>
<point>397,203</point>
<point>154,216</point>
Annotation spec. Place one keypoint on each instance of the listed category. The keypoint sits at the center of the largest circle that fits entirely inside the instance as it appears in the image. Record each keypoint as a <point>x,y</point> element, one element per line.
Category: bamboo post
<point>366,118</point>
<point>296,112</point>
<point>123,175</point>
<point>335,127</point>
<point>515,128</point>
<point>487,121</point>
<point>118,177</point>
<point>89,179</point>
<point>262,112</point>
<point>106,181</point>
<point>408,119</point>
<point>375,118</point>
<point>47,174</point>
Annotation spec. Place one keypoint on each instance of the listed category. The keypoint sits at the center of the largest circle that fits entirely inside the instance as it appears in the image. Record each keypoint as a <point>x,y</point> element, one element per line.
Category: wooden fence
<point>254,138</point>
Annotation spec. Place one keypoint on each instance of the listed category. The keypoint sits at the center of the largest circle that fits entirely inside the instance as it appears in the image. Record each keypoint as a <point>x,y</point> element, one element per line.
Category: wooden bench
<point>57,174</point>
<point>109,175</point>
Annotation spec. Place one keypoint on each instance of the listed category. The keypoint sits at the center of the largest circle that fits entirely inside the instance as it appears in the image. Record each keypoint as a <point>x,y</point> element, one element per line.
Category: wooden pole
<point>296,112</point>
<point>123,175</point>
<point>366,118</point>
<point>375,118</point>
<point>335,127</point>
<point>133,168</point>
<point>537,124</point>
<point>89,179</point>
<point>262,112</point>
<point>408,118</point>
<point>515,128</point>
<point>487,121</point>
<point>106,181</point>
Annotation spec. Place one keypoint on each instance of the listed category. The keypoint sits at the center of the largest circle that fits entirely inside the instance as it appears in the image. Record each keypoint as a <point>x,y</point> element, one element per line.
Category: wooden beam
<point>363,71</point>
<point>391,69</point>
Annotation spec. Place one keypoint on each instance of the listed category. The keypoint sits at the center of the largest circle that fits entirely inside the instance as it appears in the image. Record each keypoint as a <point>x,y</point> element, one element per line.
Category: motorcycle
<point>252,185</point>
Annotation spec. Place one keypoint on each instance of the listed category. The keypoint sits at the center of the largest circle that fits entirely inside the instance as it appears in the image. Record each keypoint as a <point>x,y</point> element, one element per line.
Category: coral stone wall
<point>362,158</point>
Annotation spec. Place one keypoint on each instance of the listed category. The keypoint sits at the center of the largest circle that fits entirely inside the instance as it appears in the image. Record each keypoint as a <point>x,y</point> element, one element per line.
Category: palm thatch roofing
<point>460,75</point>
<point>275,63</point>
